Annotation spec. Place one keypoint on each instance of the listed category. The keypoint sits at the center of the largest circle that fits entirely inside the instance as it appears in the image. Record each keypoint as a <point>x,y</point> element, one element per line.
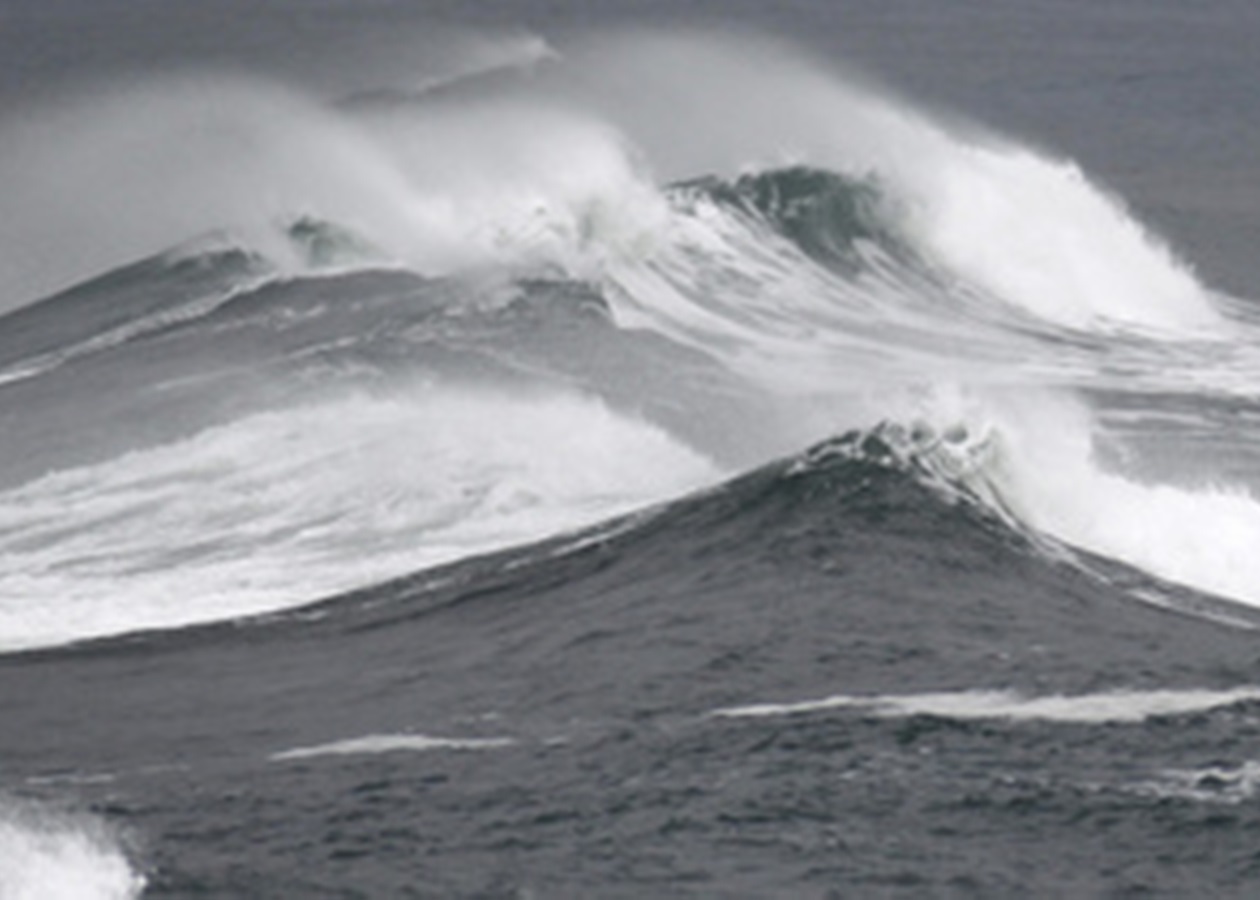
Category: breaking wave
<point>285,423</point>
<point>282,508</point>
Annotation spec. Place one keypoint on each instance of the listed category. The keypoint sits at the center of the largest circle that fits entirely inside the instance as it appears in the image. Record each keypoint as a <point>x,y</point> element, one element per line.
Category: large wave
<point>816,256</point>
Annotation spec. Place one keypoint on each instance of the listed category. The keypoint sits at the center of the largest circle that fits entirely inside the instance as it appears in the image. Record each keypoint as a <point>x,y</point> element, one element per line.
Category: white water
<point>1211,784</point>
<point>1028,227</point>
<point>1036,233</point>
<point>51,856</point>
<point>280,509</point>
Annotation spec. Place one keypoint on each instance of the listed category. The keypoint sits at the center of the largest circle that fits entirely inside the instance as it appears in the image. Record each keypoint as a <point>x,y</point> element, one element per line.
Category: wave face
<point>602,412</point>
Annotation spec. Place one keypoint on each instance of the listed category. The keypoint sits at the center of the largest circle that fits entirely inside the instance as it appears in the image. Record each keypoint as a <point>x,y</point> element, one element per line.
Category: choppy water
<point>614,462</point>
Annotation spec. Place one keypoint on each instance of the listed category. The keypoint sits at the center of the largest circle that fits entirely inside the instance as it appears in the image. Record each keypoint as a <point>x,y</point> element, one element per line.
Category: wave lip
<point>1104,708</point>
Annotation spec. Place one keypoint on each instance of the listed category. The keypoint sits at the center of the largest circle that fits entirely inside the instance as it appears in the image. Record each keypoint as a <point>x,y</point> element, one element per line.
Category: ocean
<point>571,449</point>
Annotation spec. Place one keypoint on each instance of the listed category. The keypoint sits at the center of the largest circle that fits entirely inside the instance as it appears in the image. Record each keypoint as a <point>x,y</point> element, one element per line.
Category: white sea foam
<point>374,744</point>
<point>1095,709</point>
<point>280,509</point>
<point>54,856</point>
<point>1210,784</point>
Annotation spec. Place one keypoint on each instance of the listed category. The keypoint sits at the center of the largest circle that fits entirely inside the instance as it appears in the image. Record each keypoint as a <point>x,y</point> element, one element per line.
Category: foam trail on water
<point>376,744</point>
<point>1227,784</point>
<point>53,856</point>
<point>1090,709</point>
<point>280,509</point>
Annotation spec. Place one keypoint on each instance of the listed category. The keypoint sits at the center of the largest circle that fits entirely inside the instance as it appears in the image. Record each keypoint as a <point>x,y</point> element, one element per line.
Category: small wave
<point>375,744</point>
<point>55,856</point>
<point>1111,707</point>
